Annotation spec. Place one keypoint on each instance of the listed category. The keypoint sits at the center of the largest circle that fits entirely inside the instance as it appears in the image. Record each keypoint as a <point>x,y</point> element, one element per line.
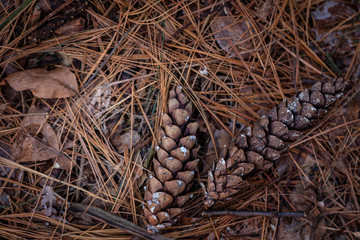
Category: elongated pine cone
<point>256,148</point>
<point>174,165</point>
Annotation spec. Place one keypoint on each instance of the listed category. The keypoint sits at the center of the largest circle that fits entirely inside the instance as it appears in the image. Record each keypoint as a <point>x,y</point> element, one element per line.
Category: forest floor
<point>84,85</point>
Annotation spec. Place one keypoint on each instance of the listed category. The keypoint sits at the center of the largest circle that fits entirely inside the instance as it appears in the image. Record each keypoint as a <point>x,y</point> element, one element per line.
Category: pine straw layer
<point>171,43</point>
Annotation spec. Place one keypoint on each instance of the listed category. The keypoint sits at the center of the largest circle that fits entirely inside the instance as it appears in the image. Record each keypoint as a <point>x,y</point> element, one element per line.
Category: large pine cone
<point>175,163</point>
<point>256,148</point>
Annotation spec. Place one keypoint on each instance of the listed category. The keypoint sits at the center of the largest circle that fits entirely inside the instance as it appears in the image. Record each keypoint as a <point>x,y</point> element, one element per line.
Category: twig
<point>116,221</point>
<point>254,214</point>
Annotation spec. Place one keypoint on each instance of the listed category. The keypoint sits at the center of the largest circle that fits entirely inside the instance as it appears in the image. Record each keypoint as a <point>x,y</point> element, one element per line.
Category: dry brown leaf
<point>5,199</point>
<point>229,31</point>
<point>265,9</point>
<point>307,166</point>
<point>27,148</point>
<point>251,227</point>
<point>57,83</point>
<point>123,141</point>
<point>328,15</point>
<point>303,199</point>
<point>294,230</point>
<point>320,229</point>
<point>75,25</point>
<point>49,199</point>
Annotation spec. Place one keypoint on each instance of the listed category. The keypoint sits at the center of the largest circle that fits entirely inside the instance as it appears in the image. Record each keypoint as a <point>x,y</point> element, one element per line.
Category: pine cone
<point>256,148</point>
<point>174,165</point>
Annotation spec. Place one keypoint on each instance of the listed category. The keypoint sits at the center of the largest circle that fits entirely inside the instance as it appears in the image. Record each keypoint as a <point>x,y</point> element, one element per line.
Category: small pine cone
<point>256,148</point>
<point>174,165</point>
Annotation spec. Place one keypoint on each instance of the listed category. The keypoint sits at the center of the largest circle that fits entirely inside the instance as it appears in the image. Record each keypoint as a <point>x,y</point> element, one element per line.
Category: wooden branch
<point>254,214</point>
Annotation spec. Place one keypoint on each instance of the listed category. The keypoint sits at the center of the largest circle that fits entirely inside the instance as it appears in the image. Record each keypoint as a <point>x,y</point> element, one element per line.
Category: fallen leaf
<point>251,227</point>
<point>265,9</point>
<point>120,142</point>
<point>5,199</point>
<point>49,199</point>
<point>320,229</point>
<point>229,31</point>
<point>27,148</point>
<point>338,42</point>
<point>308,164</point>
<point>294,230</point>
<point>330,13</point>
<point>75,25</point>
<point>57,83</point>
<point>342,164</point>
<point>303,199</point>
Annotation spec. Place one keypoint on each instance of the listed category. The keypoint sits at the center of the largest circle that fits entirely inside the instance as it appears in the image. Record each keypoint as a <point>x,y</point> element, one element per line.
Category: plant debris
<point>230,32</point>
<point>28,148</point>
<point>57,83</point>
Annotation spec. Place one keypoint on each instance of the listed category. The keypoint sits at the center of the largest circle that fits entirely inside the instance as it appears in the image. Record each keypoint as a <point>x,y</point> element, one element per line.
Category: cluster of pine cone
<point>254,149</point>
